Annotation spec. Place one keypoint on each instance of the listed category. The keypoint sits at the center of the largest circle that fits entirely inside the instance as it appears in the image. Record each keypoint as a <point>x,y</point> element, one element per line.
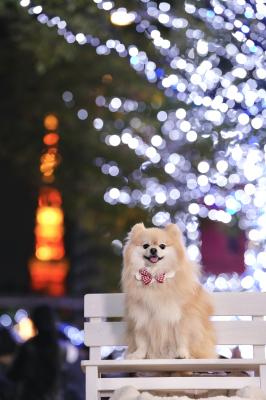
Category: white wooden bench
<point>104,327</point>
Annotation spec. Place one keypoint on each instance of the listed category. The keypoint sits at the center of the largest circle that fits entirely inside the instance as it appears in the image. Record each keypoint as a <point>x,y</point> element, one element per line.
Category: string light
<point>215,87</point>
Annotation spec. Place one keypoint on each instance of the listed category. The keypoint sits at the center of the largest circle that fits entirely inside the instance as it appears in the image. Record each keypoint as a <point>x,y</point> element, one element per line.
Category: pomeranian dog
<point>167,310</point>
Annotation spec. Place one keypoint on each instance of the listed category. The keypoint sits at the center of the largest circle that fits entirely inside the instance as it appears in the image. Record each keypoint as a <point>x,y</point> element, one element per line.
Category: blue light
<point>5,320</point>
<point>210,14</point>
<point>253,49</point>
<point>230,211</point>
<point>249,13</point>
<point>252,140</point>
<point>159,72</point>
<point>134,60</point>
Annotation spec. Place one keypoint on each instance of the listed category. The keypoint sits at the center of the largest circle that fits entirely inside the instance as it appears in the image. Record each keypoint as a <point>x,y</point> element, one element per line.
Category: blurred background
<point>116,112</point>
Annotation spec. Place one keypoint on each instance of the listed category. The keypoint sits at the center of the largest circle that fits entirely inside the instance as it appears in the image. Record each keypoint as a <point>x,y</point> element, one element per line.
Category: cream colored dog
<point>167,310</point>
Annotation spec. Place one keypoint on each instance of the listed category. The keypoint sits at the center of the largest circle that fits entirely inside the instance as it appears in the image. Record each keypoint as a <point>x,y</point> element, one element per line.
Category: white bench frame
<point>101,332</point>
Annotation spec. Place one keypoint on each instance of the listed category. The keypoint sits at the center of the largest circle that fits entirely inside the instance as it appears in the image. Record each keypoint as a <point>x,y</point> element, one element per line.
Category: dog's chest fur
<point>155,305</point>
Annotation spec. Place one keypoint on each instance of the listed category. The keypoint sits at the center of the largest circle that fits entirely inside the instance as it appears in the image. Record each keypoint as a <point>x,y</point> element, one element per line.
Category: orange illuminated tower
<point>49,267</point>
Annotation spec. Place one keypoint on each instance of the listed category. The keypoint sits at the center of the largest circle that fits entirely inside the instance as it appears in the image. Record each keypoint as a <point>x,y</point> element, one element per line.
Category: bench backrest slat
<point>243,303</point>
<point>228,332</point>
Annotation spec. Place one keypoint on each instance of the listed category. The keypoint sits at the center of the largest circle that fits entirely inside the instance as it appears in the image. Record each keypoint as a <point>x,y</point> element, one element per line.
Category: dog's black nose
<point>153,251</point>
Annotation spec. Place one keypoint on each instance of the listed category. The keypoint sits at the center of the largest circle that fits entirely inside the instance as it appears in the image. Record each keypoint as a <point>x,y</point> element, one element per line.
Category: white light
<point>214,116</point>
<point>116,103</point>
<point>114,140</point>
<point>163,18</point>
<point>24,3</point>
<point>114,193</point>
<point>161,218</point>
<point>250,257</point>
<point>160,198</point>
<point>133,143</point>
<point>254,235</point>
<point>121,17</point>
<point>239,73</point>
<point>107,5</point>
<point>156,140</point>
<point>145,199</point>
<point>193,252</point>
<point>114,170</point>
<point>180,113</point>
<point>195,79</point>
<point>124,198</point>
<point>261,258</point>
<point>81,38</point>
<point>133,51</point>
<point>241,58</point>
<point>37,9</point>
<point>250,189</point>
<point>257,123</point>
<point>126,137</point>
<point>247,282</point>
<point>164,6</point>
<point>173,79</point>
<point>202,47</point>
<point>231,92</point>
<point>181,64</point>
<point>222,166</point>
<point>209,199</point>
<point>203,180</point>
<point>174,194</point>
<point>193,208</point>
<point>237,153</point>
<point>261,73</point>
<point>203,167</point>
<point>243,119</point>
<point>231,49</point>
<point>151,152</point>
<point>169,168</point>
<point>191,136</point>
<point>98,123</point>
<point>185,126</point>
<point>162,116</point>
<point>221,283</point>
<point>155,34</point>
<point>212,215</point>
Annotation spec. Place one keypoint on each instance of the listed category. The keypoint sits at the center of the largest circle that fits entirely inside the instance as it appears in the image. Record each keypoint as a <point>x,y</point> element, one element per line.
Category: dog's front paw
<point>136,355</point>
<point>183,353</point>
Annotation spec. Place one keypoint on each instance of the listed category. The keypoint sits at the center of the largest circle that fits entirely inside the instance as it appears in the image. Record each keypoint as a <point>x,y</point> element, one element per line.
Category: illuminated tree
<point>185,135</point>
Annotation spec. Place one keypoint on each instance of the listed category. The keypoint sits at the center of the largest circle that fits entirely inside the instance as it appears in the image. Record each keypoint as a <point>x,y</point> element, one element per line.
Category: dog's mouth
<point>153,259</point>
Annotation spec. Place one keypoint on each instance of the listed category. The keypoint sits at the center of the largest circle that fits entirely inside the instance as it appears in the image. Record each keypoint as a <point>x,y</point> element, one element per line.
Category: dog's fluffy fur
<point>169,319</point>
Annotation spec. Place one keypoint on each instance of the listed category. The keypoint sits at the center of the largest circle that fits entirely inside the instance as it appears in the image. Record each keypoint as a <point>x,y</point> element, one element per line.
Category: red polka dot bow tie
<point>147,278</point>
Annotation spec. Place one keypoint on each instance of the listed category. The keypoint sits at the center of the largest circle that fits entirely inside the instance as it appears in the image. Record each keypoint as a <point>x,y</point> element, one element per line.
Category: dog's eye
<point>162,246</point>
<point>145,246</point>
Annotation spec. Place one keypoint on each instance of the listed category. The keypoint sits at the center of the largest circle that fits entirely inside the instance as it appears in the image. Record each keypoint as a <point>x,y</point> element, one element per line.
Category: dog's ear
<point>136,229</point>
<point>176,233</point>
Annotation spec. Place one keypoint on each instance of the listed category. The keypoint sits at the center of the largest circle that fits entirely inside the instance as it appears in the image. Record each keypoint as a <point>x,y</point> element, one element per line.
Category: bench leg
<point>263,377</point>
<point>92,383</point>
